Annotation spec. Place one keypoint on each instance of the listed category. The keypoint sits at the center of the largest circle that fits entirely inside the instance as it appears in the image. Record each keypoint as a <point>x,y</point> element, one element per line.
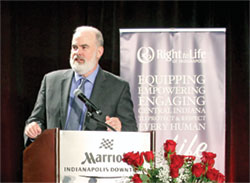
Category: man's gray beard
<point>84,68</point>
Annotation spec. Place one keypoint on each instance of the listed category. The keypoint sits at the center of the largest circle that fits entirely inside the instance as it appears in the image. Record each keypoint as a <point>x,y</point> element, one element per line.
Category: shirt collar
<point>90,78</point>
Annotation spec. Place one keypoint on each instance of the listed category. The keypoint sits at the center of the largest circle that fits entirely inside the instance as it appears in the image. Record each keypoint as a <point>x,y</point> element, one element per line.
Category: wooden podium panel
<point>39,158</point>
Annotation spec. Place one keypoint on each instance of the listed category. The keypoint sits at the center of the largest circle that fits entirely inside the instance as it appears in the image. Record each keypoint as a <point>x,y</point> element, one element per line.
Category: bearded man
<point>55,106</point>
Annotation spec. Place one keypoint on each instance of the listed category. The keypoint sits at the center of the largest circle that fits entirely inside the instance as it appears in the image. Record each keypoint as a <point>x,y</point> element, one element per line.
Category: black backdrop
<point>36,37</point>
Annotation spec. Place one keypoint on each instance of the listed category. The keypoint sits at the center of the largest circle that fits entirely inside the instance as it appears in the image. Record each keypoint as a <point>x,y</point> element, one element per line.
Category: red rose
<point>198,169</point>
<point>212,174</point>
<point>136,178</point>
<point>138,159</point>
<point>128,158</point>
<point>149,156</point>
<point>169,146</point>
<point>177,161</point>
<point>208,155</point>
<point>220,178</point>
<point>134,159</point>
<point>174,172</point>
<point>208,159</point>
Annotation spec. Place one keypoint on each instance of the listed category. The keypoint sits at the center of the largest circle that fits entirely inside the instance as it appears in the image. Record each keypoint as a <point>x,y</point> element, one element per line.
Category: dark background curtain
<point>36,39</point>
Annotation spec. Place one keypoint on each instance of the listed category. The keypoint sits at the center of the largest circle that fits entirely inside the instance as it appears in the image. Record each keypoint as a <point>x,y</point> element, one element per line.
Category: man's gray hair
<point>99,37</point>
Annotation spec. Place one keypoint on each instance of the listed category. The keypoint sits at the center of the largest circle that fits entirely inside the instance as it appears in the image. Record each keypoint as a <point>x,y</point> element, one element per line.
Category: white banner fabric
<point>177,83</point>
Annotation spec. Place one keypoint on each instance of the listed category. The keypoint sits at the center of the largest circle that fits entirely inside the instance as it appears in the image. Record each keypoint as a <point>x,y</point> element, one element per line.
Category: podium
<point>78,156</point>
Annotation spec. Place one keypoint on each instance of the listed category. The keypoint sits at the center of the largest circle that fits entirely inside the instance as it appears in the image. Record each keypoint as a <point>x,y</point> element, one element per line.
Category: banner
<point>177,82</point>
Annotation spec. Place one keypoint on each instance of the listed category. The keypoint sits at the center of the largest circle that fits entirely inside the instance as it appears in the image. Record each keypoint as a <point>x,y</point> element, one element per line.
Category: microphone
<point>91,108</point>
<point>78,93</point>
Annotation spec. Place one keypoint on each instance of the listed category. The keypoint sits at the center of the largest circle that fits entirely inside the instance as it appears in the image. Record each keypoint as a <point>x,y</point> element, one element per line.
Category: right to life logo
<point>145,54</point>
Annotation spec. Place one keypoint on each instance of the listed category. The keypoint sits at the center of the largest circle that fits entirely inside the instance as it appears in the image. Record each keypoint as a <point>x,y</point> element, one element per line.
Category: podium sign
<point>82,156</point>
<point>88,154</point>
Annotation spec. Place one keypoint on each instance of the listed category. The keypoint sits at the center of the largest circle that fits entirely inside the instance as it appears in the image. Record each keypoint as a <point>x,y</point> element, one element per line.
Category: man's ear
<point>100,51</point>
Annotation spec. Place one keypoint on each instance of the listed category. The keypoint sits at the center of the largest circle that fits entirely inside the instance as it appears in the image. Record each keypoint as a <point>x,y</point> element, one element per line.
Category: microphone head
<point>77,92</point>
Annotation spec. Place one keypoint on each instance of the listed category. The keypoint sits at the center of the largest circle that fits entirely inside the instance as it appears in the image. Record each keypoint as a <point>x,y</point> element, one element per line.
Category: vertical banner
<point>177,81</point>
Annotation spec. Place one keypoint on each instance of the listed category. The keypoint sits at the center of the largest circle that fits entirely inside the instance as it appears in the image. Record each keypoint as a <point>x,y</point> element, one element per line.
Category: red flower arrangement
<point>173,168</point>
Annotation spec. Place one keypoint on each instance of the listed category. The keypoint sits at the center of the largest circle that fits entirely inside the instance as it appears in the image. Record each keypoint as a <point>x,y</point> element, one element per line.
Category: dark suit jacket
<point>110,93</point>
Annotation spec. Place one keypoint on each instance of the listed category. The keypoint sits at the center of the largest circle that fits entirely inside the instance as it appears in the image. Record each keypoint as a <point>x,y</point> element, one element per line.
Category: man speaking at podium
<point>58,104</point>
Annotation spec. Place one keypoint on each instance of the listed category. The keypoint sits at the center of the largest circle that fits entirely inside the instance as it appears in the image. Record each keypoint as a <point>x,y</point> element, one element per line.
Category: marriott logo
<point>91,158</point>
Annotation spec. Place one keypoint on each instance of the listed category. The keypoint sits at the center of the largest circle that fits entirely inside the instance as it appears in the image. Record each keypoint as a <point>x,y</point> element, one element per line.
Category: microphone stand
<point>90,114</point>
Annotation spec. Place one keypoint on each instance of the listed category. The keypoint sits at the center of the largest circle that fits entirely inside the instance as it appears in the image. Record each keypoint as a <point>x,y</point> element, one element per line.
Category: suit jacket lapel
<point>65,89</point>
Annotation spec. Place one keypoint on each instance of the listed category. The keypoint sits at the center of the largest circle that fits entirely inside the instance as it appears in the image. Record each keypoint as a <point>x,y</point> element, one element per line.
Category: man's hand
<point>114,122</point>
<point>32,130</point>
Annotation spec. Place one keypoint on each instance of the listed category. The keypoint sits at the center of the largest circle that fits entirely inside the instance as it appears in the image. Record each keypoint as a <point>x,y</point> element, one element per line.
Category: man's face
<point>85,53</point>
